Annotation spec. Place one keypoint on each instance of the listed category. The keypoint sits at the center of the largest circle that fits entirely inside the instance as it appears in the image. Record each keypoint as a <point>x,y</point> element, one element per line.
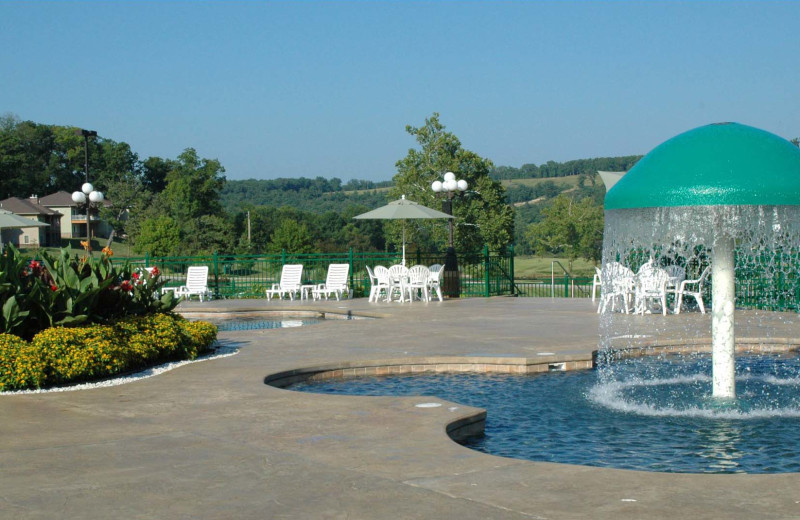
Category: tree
<point>208,234</point>
<point>570,227</point>
<point>191,197</point>
<point>292,236</point>
<point>155,171</point>
<point>482,214</point>
<point>193,187</point>
<point>159,236</point>
<point>127,196</point>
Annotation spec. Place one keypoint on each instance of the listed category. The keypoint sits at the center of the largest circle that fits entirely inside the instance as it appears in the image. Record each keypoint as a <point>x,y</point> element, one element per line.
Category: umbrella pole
<point>404,242</point>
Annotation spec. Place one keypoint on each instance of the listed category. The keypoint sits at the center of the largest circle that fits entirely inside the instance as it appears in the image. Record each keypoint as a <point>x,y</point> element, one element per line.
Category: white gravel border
<point>219,352</point>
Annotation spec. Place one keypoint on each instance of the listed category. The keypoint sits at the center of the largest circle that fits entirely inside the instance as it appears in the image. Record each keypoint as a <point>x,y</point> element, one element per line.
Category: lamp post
<point>449,188</point>
<point>87,198</point>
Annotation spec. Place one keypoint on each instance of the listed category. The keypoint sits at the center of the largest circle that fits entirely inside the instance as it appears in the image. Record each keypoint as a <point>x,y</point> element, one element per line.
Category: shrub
<point>199,336</point>
<point>74,354</point>
<point>20,364</point>
<point>60,355</point>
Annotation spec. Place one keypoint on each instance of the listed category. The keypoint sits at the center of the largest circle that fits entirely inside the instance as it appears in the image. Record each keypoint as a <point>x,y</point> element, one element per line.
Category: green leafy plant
<point>68,290</point>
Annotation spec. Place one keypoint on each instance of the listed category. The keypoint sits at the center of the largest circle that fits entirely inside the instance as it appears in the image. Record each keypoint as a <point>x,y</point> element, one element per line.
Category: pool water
<point>258,323</point>
<point>577,418</point>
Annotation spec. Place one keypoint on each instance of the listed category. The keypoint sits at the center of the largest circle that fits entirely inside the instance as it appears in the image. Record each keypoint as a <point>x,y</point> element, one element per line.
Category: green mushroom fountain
<point>726,192</point>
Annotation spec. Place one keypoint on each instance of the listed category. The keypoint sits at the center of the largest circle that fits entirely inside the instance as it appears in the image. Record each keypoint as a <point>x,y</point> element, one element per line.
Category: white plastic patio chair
<point>693,288</point>
<point>597,281</point>
<point>651,284</point>
<point>290,282</point>
<point>398,277</point>
<point>380,284</point>
<point>617,284</point>
<point>196,283</point>
<point>677,274</point>
<point>335,283</point>
<point>417,284</point>
<point>435,280</point>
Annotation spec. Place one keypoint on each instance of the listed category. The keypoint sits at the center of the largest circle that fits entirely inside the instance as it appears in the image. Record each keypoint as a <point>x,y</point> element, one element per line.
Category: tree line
<point>180,206</point>
<point>168,207</point>
<point>564,169</point>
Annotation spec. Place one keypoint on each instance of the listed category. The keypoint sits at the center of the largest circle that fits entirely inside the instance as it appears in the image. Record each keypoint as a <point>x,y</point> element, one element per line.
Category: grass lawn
<point>528,267</point>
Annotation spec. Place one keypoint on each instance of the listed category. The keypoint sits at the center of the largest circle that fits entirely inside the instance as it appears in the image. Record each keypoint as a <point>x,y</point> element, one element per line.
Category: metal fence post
<point>216,275</point>
<point>486,270</point>
<point>511,269</point>
<point>352,270</point>
<point>147,259</point>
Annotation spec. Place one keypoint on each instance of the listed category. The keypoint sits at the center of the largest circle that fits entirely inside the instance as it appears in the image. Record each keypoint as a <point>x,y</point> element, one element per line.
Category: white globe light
<point>78,197</point>
<point>436,186</point>
<point>461,185</point>
<point>87,188</point>
<point>449,176</point>
<point>450,185</point>
<point>96,196</point>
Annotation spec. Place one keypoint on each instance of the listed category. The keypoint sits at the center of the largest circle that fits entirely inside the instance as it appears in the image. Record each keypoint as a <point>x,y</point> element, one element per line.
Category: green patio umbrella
<point>402,209</point>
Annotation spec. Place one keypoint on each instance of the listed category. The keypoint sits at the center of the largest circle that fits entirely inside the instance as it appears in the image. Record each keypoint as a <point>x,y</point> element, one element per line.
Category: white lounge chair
<point>335,283</point>
<point>290,283</point>
<point>417,283</point>
<point>693,288</point>
<point>196,283</point>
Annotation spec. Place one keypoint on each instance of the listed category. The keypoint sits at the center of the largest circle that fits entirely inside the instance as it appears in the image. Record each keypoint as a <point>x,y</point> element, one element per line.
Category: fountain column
<point>723,347</point>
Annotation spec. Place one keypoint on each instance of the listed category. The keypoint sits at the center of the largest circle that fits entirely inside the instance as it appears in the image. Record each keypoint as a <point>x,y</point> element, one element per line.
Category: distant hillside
<point>315,195</point>
<point>552,169</point>
<point>523,185</point>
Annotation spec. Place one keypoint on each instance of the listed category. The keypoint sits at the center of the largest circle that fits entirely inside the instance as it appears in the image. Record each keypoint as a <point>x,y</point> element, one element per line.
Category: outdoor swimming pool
<point>258,323</point>
<point>266,320</point>
<point>565,417</point>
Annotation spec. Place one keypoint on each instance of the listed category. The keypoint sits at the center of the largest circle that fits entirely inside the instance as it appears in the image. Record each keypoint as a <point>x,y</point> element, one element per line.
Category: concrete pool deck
<point>210,440</point>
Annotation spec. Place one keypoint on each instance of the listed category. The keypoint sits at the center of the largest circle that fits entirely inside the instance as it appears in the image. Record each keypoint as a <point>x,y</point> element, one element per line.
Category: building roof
<point>26,207</point>
<point>62,199</point>
<point>59,198</point>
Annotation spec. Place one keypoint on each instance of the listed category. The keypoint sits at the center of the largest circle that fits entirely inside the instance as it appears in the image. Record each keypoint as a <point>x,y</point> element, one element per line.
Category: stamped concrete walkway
<point>210,440</point>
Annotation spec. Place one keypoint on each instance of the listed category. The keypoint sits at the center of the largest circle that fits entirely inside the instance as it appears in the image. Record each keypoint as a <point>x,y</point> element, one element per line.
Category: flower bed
<point>66,355</point>
<point>66,319</point>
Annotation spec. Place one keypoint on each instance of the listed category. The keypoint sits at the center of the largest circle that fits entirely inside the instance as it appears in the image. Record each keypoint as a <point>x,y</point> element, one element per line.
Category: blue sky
<point>290,89</point>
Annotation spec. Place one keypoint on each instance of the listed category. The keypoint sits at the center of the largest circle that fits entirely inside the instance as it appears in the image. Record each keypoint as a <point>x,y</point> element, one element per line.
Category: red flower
<point>135,276</point>
<point>126,285</point>
<point>155,272</point>
<point>53,287</point>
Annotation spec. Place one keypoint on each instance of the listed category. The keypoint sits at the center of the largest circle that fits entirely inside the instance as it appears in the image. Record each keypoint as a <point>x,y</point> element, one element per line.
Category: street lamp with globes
<point>449,188</point>
<point>87,198</point>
